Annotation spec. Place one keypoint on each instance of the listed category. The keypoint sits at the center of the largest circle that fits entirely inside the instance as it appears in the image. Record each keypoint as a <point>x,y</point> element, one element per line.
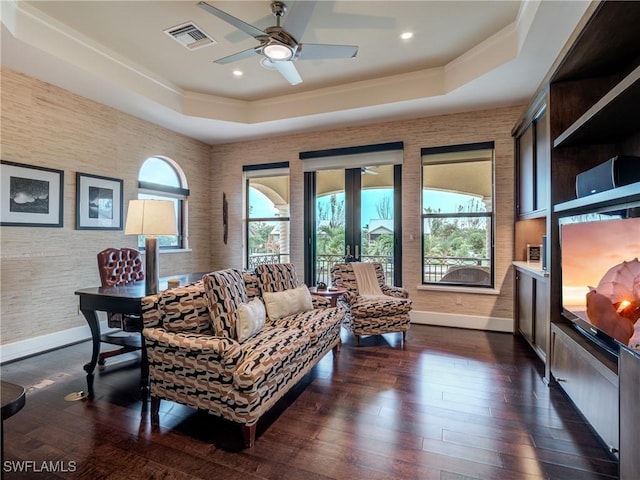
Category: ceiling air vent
<point>190,36</point>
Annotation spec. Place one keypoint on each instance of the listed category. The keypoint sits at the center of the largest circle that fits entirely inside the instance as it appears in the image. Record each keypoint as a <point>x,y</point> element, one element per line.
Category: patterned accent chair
<point>119,266</point>
<point>196,359</point>
<point>372,315</point>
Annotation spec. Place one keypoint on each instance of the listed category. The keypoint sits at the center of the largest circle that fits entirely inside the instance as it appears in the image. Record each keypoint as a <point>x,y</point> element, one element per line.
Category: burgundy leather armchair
<point>119,266</point>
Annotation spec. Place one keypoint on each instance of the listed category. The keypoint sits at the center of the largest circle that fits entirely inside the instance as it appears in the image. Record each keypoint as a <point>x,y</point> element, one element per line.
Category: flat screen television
<point>599,251</point>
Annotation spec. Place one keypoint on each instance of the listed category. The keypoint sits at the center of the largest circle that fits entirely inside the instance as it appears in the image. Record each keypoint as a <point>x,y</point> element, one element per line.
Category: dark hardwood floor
<point>452,405</point>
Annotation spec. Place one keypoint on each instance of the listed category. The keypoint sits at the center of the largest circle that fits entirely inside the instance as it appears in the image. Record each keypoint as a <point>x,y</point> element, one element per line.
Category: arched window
<point>161,178</point>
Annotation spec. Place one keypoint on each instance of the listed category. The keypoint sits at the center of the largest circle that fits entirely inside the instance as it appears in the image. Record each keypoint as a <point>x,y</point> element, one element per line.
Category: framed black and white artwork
<point>98,202</point>
<point>32,196</point>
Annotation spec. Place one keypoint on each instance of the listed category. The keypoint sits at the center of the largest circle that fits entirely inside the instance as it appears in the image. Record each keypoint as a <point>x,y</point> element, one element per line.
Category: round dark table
<point>13,398</point>
<point>331,294</point>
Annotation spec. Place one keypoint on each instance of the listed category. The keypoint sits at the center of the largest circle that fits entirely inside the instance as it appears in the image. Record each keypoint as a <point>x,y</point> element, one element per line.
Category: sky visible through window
<point>156,170</point>
<point>445,201</point>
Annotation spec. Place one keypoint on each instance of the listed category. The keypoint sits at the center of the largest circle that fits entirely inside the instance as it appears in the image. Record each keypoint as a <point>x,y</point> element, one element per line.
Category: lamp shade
<point>151,217</point>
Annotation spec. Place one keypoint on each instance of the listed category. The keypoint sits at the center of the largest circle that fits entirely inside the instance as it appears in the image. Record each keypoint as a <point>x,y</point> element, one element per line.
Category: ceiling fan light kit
<point>276,52</point>
<point>278,44</point>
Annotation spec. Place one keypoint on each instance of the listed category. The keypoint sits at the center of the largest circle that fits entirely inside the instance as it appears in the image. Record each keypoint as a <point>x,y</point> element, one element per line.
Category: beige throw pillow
<point>251,319</point>
<point>288,302</point>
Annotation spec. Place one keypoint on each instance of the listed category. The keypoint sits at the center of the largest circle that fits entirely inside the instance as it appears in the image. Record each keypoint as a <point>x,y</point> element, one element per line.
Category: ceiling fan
<point>280,46</point>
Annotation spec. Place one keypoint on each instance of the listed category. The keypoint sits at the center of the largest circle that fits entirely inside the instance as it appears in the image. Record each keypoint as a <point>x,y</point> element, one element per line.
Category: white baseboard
<point>43,343</point>
<point>462,321</point>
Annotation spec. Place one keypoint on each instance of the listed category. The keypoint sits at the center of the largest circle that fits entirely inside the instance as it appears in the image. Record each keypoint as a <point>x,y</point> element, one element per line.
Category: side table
<point>332,294</point>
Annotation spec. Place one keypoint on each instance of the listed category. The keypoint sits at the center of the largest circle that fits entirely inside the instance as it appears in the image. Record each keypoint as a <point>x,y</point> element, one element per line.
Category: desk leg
<point>94,325</point>
<point>144,371</point>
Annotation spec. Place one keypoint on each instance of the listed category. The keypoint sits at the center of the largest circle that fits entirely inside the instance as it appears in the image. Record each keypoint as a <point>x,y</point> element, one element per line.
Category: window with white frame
<point>267,214</point>
<point>457,215</point>
<point>161,178</point>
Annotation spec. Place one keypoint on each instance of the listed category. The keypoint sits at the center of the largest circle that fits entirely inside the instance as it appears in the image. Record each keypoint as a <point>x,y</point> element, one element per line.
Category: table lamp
<point>151,218</point>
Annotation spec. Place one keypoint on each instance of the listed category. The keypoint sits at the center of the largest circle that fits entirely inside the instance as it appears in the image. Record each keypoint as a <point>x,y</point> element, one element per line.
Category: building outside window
<point>161,178</point>
<point>267,214</point>
<point>457,215</point>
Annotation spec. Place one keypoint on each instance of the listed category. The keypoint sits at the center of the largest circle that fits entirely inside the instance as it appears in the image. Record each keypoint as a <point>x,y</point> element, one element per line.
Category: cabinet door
<point>541,320</point>
<point>526,295</point>
<point>526,173</point>
<point>629,372</point>
<point>542,167</point>
<point>591,386</point>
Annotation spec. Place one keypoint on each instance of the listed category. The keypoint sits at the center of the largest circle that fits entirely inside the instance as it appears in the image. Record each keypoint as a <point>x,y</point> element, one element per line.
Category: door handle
<point>348,255</point>
<point>358,252</point>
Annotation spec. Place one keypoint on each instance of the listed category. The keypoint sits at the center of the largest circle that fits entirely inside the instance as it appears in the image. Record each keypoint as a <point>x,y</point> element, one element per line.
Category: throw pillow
<point>288,302</point>
<point>251,318</point>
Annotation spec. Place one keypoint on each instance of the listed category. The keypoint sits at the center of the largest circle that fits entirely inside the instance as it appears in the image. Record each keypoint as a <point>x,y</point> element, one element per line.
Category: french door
<point>352,215</point>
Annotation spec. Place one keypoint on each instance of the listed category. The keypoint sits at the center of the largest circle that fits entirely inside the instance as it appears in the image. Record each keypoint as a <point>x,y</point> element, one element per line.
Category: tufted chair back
<point>118,266</point>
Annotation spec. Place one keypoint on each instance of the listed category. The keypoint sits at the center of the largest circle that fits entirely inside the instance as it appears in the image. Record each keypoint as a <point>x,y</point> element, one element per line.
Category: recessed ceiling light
<point>406,35</point>
<point>238,73</point>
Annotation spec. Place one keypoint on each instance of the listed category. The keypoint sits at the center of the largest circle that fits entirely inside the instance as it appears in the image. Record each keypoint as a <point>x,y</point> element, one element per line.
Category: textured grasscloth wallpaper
<point>51,127</point>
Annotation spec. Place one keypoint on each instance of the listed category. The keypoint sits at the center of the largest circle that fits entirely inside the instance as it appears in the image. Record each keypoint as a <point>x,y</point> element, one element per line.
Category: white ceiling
<point>463,56</point>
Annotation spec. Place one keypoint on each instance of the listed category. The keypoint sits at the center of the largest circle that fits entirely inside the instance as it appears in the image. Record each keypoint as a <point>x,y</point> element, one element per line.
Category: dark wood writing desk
<point>120,299</point>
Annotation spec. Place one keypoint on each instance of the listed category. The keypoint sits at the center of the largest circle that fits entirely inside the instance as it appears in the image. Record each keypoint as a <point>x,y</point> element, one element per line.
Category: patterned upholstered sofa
<point>367,315</point>
<point>196,360</point>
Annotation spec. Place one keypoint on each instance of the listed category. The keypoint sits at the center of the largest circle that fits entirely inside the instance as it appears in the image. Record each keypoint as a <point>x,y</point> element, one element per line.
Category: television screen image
<point>601,275</point>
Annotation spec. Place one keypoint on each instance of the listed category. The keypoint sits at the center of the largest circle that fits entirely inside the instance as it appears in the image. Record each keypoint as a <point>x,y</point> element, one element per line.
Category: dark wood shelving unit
<point>612,119</point>
<point>616,196</point>
<point>591,100</point>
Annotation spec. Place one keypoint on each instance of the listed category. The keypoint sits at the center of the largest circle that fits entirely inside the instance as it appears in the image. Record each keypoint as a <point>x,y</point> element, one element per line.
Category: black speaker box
<point>615,172</point>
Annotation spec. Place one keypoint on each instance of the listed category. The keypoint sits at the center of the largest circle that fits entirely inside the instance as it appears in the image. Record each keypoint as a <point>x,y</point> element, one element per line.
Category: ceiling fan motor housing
<point>276,35</point>
<point>278,9</point>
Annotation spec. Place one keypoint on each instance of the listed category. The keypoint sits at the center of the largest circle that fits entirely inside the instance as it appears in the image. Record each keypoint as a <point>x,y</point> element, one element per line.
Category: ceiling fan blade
<point>288,70</point>
<point>238,36</point>
<point>236,22</point>
<point>298,18</point>
<point>314,51</point>
<point>250,52</point>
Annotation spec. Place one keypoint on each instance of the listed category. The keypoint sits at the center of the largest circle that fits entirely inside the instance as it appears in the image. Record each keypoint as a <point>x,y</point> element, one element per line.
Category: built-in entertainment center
<point>583,124</point>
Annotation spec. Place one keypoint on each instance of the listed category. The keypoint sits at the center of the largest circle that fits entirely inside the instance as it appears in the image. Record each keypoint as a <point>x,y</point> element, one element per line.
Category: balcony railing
<point>256,259</point>
<point>437,267</point>
<point>324,263</point>
<point>434,267</point>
